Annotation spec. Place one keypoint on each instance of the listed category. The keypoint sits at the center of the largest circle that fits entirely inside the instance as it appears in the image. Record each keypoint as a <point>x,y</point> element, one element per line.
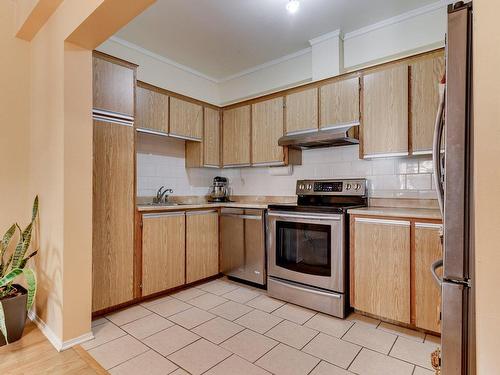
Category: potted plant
<point>15,300</point>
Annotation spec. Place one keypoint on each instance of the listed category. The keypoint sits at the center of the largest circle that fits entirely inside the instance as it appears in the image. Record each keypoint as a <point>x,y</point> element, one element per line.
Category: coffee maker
<point>219,192</point>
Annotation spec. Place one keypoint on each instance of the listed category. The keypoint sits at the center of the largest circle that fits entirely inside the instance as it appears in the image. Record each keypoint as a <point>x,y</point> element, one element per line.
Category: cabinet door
<point>302,111</point>
<point>236,136</point>
<point>202,245</point>
<point>425,76</point>
<point>267,128</point>
<point>113,215</point>
<point>385,112</point>
<point>339,103</point>
<point>381,268</point>
<point>428,249</point>
<point>186,119</point>
<point>152,110</point>
<point>113,86</point>
<point>211,137</point>
<point>163,251</point>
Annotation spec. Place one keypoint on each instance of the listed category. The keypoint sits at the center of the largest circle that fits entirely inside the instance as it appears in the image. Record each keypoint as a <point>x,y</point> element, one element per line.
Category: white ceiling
<point>220,38</point>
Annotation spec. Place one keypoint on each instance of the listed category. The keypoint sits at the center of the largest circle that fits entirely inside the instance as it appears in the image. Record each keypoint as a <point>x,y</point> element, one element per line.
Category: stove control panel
<point>332,187</point>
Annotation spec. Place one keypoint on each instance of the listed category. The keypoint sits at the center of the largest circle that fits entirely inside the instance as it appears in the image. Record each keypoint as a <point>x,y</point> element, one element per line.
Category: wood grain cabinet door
<point>302,111</point>
<point>385,112</point>
<point>428,249</point>
<point>267,128</point>
<point>186,119</point>
<point>113,215</point>
<point>425,76</point>
<point>236,136</point>
<point>211,138</point>
<point>339,103</point>
<point>163,251</point>
<point>380,259</point>
<point>151,110</point>
<point>202,245</point>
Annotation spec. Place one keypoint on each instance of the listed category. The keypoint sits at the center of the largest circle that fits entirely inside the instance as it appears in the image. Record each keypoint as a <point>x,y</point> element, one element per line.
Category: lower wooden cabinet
<point>163,251</point>
<point>202,245</point>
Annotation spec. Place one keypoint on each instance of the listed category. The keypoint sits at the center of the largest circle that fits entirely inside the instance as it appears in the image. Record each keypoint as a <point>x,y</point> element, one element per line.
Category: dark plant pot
<point>15,312</point>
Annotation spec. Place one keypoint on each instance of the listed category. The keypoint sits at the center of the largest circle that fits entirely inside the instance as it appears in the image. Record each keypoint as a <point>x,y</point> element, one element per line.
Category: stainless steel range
<point>308,245</point>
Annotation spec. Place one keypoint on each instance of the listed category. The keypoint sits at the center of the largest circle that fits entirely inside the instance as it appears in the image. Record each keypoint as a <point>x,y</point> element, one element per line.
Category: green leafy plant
<point>15,265</point>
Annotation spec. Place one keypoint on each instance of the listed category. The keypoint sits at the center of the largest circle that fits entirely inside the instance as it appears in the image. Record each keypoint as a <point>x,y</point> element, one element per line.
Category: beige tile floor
<point>225,328</point>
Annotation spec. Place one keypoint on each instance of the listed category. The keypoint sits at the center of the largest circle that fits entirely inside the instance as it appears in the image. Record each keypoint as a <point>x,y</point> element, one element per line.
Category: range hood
<point>326,137</point>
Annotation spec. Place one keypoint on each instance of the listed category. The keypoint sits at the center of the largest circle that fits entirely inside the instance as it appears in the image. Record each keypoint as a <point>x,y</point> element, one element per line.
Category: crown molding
<point>333,34</point>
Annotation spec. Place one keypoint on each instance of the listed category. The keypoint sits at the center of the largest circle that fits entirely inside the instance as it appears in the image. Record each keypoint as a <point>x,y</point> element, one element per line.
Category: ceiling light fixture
<point>292,6</point>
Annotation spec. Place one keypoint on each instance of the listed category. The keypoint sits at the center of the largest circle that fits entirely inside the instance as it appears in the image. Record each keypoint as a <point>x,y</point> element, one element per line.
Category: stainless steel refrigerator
<point>453,154</point>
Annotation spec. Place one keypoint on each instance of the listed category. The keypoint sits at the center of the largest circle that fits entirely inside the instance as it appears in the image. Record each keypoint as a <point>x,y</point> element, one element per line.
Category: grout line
<point>312,338</point>
<point>392,346</point>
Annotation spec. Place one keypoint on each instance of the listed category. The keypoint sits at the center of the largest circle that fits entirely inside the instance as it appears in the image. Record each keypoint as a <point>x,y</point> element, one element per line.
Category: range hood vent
<point>327,137</point>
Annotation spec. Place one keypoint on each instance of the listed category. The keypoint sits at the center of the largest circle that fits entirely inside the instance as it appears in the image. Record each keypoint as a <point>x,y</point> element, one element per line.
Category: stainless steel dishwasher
<point>243,249</point>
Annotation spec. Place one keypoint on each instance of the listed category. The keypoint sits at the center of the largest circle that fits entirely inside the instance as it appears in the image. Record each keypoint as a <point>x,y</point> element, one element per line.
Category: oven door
<point>307,248</point>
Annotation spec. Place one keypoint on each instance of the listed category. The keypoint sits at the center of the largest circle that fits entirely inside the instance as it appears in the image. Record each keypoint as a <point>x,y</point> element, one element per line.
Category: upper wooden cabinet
<point>236,136</point>
<point>113,85</point>
<point>425,76</point>
<point>301,111</point>
<point>385,112</point>
<point>151,110</point>
<point>206,153</point>
<point>339,103</point>
<point>186,119</point>
<point>267,128</point>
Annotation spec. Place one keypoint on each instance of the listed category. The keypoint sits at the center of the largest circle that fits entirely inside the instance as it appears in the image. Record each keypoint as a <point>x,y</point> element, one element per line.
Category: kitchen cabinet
<point>113,86</point>
<point>186,119</point>
<point>380,260</point>
<point>152,110</point>
<point>163,251</point>
<point>202,245</point>
<point>267,128</point>
<point>428,249</point>
<point>385,112</point>
<point>113,214</point>
<point>301,110</point>
<point>236,134</point>
<point>206,153</point>
<point>425,75</point>
<point>339,103</point>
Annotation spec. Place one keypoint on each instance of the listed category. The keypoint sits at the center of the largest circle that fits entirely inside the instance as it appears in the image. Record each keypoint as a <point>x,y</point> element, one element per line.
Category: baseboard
<point>52,337</point>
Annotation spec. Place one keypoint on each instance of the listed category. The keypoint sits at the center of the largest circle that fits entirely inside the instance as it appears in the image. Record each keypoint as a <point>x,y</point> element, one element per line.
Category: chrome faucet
<point>162,195</point>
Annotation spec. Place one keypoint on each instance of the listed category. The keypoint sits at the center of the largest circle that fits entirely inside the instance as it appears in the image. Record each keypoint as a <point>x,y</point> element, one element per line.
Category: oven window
<point>304,248</point>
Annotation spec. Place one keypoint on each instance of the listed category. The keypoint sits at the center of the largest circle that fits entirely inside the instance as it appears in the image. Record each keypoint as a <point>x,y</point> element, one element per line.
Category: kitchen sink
<point>153,204</point>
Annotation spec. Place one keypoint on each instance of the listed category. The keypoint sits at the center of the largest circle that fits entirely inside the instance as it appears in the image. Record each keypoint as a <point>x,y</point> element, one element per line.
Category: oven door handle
<point>298,216</point>
<point>305,289</point>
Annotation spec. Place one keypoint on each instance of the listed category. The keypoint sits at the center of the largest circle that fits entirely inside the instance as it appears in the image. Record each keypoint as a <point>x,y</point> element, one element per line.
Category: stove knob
<point>348,187</point>
<point>309,187</point>
<point>357,187</point>
<point>301,187</point>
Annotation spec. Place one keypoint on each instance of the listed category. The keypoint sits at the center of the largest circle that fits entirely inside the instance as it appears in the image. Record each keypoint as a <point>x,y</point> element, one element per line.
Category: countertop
<point>182,207</point>
<point>417,213</point>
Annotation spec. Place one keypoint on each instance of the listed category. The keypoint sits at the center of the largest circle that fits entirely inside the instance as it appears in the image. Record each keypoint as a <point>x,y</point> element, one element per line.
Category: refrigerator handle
<point>436,147</point>
<point>434,267</point>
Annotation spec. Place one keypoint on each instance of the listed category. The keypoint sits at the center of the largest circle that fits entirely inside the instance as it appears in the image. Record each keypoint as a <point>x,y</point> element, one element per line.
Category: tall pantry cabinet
<point>113,182</point>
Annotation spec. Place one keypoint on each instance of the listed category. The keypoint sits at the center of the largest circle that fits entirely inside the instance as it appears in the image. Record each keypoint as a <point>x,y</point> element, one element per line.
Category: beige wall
<point>487,183</point>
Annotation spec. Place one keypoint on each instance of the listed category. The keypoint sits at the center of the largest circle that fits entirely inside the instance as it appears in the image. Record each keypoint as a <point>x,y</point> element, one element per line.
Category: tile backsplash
<point>160,161</point>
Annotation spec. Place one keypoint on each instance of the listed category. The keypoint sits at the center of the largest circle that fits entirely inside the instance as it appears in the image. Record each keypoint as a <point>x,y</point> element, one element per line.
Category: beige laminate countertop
<point>182,207</point>
<point>417,213</point>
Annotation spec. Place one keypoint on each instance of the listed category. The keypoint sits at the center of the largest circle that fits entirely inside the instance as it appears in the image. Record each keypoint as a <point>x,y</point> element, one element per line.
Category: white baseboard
<point>52,337</point>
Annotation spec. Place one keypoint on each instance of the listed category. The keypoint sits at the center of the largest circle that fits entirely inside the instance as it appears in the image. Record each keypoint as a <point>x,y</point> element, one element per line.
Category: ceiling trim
<point>334,34</point>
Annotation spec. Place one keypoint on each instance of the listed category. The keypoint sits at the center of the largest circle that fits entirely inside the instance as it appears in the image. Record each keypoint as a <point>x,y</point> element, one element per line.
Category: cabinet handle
<point>201,212</point>
<point>382,221</point>
<point>244,217</point>
<point>163,214</point>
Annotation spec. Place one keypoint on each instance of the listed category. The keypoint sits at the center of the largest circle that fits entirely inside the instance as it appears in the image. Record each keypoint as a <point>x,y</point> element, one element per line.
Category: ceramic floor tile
<point>249,345</point>
<point>191,318</point>
<point>156,301</point>
<point>102,334</point>
<point>401,331</point>
<point>422,371</point>
<point>218,287</point>
<point>218,330</point>
<point>294,313</point>
<point>284,360</point>
<point>117,351</point>
<point>265,303</point>
<point>199,356</point>
<point>169,307</point>
<point>325,368</point>
<point>369,362</point>
<point>241,295</point>
<point>292,334</point>
<point>170,340</point>
<point>328,324</point>
<point>99,321</point>
<point>147,326</point>
<point>333,350</point>
<point>235,365</point>
<point>180,371</point>
<point>231,310</point>
<point>258,321</point>
<point>128,315</point>
<point>150,363</point>
<point>207,301</point>
<point>371,338</point>
<point>413,352</point>
<point>187,294</point>
<point>358,318</point>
